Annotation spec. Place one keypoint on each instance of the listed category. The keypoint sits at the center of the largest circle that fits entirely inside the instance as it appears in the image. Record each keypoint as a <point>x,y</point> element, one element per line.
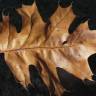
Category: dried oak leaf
<point>41,44</point>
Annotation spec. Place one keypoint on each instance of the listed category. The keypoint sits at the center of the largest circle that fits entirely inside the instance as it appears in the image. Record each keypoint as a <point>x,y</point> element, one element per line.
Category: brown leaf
<point>38,45</point>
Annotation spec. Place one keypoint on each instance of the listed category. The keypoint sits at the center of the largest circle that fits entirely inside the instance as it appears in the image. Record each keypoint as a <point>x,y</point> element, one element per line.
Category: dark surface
<point>92,62</point>
<point>83,9</point>
<point>73,85</point>
<point>8,8</point>
<point>8,84</point>
<point>12,4</point>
